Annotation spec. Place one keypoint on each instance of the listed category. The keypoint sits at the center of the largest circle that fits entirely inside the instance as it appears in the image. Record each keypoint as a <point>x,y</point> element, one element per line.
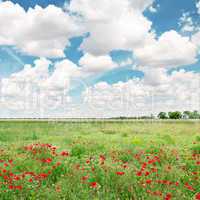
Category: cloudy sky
<point>98,58</point>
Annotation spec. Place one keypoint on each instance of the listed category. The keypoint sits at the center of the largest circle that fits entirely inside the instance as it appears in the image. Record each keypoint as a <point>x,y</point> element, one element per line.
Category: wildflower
<point>139,173</point>
<point>168,196</point>
<point>166,182</point>
<point>17,178</point>
<point>177,183</point>
<point>43,175</point>
<point>84,178</point>
<point>197,196</point>
<point>5,165</point>
<point>48,160</point>
<point>64,153</point>
<point>148,181</point>
<point>147,173</point>
<point>10,161</point>
<point>6,178</point>
<point>93,184</point>
<point>30,180</point>
<point>120,173</point>
<point>125,166</point>
<point>189,187</point>
<point>102,158</point>
<point>11,187</point>
<point>154,169</point>
<point>88,161</point>
<point>58,164</point>
<point>53,148</point>
<point>144,165</point>
<point>18,187</point>
<point>157,193</point>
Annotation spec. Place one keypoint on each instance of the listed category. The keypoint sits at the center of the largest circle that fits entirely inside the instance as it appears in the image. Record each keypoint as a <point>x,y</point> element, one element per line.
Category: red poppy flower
<point>177,183</point>
<point>43,175</point>
<point>148,181</point>
<point>5,165</point>
<point>84,178</point>
<point>120,173</point>
<point>88,161</point>
<point>102,157</point>
<point>17,178</point>
<point>197,196</point>
<point>189,187</point>
<point>93,184</point>
<point>147,173</point>
<point>18,187</point>
<point>11,187</point>
<point>48,160</point>
<point>157,193</point>
<point>139,174</point>
<point>64,153</point>
<point>10,161</point>
<point>58,164</point>
<point>30,180</point>
<point>168,196</point>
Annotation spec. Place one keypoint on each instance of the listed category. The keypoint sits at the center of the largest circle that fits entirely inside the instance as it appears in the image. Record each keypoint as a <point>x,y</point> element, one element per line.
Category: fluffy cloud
<point>198,7</point>
<point>35,92</point>
<point>60,79</point>
<point>34,88</point>
<point>141,5</point>
<point>170,50</point>
<point>39,31</point>
<point>91,64</point>
<point>196,39</point>
<point>119,24</point>
<point>113,24</point>
<point>152,9</point>
<point>186,23</point>
<point>177,91</point>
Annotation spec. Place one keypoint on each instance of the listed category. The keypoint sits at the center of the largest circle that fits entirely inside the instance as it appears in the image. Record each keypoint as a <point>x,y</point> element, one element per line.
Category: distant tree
<point>186,114</point>
<point>195,115</point>
<point>123,117</point>
<point>191,115</point>
<point>162,115</point>
<point>175,115</point>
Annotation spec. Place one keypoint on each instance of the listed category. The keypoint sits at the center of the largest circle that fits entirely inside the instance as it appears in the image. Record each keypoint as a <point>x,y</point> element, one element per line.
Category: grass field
<point>100,160</point>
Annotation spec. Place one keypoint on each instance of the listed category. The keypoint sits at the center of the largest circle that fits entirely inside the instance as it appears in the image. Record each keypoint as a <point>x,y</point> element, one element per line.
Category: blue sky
<point>166,18</point>
<point>128,61</point>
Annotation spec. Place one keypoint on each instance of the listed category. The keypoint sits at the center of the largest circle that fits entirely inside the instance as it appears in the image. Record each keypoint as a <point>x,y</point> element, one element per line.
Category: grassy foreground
<point>100,160</point>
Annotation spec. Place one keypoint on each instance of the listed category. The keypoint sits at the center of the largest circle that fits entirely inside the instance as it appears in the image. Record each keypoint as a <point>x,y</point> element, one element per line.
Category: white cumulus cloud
<point>137,97</point>
<point>39,31</point>
<point>113,24</point>
<point>170,50</point>
<point>91,64</point>
<point>198,7</point>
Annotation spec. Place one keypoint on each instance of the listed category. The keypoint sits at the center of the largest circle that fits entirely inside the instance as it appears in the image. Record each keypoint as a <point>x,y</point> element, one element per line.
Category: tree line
<point>179,115</point>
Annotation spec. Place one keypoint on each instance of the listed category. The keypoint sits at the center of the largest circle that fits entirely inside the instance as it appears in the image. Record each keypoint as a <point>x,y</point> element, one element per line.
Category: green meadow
<point>100,160</point>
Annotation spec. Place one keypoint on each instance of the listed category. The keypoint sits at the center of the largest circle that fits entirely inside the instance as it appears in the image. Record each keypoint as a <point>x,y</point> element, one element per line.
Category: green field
<point>100,160</point>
